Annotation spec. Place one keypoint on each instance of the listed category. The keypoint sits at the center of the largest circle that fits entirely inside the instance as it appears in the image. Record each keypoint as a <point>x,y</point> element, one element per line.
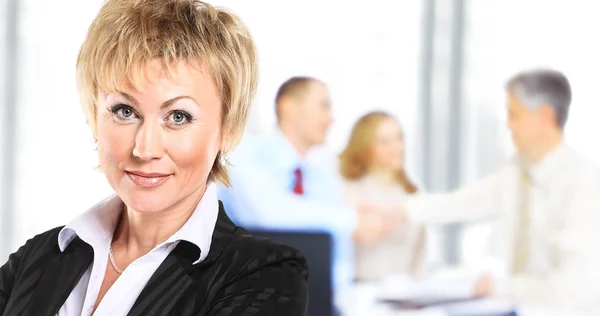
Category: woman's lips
<point>147,180</point>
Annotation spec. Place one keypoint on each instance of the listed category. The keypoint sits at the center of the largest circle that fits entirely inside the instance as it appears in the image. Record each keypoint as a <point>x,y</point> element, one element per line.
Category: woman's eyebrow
<point>129,98</point>
<point>164,105</point>
<point>170,102</point>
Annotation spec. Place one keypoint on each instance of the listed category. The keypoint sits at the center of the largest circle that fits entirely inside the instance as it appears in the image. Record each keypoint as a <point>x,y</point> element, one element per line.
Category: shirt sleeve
<point>476,201</point>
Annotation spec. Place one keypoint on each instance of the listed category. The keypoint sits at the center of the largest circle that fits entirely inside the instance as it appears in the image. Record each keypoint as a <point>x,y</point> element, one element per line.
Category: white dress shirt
<point>563,269</point>
<point>261,195</point>
<point>96,227</point>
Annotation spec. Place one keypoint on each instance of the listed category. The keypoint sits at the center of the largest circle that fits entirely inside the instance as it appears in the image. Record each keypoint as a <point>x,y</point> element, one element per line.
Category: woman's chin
<point>146,202</point>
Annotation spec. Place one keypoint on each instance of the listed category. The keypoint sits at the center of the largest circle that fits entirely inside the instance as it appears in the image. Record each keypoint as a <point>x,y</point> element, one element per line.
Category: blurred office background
<point>438,65</point>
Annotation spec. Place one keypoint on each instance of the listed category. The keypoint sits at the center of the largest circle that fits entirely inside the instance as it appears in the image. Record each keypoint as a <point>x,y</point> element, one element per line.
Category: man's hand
<point>484,287</point>
<point>374,224</point>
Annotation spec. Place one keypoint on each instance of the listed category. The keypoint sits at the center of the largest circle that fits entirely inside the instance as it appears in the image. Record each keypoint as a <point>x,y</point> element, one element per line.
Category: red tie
<point>298,189</point>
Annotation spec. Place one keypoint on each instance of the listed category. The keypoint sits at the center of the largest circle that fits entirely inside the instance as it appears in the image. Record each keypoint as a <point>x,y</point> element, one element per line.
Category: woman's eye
<point>180,117</point>
<point>123,112</point>
<point>126,112</point>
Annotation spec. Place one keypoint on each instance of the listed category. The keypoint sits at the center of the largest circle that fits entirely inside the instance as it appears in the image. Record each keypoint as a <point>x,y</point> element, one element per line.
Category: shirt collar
<point>199,228</point>
<point>100,221</point>
<point>286,155</point>
<point>542,170</point>
<point>95,225</point>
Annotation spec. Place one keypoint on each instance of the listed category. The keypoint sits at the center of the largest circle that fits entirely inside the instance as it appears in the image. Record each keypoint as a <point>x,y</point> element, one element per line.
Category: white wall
<point>55,153</point>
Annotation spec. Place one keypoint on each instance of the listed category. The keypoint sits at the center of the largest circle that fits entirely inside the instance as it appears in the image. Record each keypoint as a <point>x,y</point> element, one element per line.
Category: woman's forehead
<point>142,79</point>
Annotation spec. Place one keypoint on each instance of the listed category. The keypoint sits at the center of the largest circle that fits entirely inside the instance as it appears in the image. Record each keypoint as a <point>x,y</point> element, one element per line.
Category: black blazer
<point>242,275</point>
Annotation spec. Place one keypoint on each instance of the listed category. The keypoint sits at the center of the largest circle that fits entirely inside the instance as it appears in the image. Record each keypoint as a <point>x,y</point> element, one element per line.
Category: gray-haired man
<point>546,201</point>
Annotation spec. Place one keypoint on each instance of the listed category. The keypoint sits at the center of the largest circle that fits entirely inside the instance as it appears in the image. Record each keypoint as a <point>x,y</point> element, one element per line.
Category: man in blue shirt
<point>280,182</point>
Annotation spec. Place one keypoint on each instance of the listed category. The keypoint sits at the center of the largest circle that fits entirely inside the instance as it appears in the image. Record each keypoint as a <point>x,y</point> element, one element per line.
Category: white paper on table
<point>438,287</point>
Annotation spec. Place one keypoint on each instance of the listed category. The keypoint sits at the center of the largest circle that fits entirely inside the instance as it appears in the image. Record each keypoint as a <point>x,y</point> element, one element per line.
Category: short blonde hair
<point>127,35</point>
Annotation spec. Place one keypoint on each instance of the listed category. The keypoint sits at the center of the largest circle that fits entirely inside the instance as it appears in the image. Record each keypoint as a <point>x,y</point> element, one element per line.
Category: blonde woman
<point>166,86</point>
<point>373,166</point>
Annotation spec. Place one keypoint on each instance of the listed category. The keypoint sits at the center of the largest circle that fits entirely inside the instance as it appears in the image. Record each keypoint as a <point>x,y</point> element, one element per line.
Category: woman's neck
<point>295,140</point>
<point>138,233</point>
<point>384,176</point>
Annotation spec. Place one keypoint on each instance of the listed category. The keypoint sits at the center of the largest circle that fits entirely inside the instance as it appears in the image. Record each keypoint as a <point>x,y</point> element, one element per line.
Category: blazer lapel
<point>167,284</point>
<point>59,277</point>
<point>173,277</point>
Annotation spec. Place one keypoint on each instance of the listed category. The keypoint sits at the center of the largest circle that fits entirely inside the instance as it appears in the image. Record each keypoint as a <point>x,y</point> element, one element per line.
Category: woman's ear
<point>223,159</point>
<point>229,139</point>
<point>225,145</point>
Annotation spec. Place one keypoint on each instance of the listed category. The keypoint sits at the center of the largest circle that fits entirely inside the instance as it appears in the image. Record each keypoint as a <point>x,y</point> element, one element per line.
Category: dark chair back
<point>317,248</point>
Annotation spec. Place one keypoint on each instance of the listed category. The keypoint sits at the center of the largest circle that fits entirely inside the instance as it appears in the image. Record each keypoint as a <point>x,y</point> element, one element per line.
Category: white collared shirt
<point>96,228</point>
<point>563,268</point>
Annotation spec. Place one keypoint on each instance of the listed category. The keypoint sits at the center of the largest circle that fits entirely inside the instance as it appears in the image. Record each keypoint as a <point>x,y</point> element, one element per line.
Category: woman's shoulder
<point>258,272</point>
<point>263,251</point>
<point>47,239</point>
<point>42,243</point>
<point>246,255</point>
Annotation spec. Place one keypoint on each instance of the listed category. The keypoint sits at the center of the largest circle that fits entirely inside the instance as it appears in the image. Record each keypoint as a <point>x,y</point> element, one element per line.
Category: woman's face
<point>388,147</point>
<point>157,145</point>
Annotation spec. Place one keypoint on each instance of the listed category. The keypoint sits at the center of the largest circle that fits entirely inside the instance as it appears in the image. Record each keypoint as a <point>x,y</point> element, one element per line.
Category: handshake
<point>376,222</point>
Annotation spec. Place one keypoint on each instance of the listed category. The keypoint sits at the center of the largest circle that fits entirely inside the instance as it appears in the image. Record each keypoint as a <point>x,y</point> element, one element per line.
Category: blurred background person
<point>276,182</point>
<point>372,164</point>
<point>546,199</point>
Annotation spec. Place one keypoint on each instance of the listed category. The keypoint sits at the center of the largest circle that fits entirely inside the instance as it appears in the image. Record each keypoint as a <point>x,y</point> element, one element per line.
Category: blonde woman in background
<point>373,166</point>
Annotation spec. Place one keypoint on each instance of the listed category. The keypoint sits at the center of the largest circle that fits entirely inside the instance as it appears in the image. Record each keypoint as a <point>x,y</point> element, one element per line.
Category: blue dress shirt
<point>262,178</point>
